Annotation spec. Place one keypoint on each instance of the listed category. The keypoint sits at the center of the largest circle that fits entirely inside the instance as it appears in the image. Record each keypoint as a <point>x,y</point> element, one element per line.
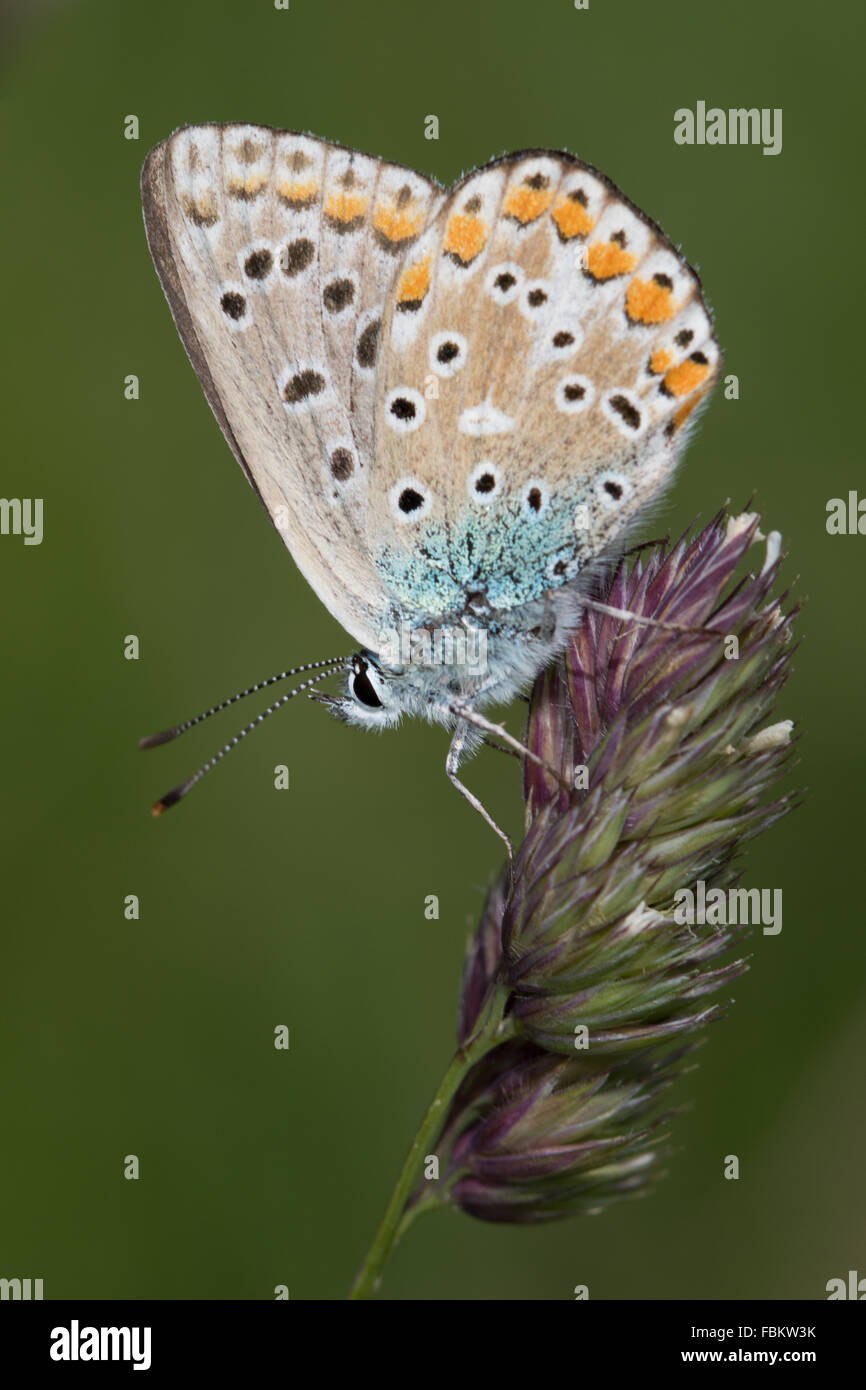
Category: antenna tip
<point>171,798</point>
<point>154,740</point>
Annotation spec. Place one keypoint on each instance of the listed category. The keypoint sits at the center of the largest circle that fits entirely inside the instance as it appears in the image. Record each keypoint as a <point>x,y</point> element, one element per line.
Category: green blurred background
<point>305,907</point>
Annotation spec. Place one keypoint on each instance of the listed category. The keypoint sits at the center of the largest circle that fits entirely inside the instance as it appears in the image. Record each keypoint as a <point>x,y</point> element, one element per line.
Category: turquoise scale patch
<point>499,550</point>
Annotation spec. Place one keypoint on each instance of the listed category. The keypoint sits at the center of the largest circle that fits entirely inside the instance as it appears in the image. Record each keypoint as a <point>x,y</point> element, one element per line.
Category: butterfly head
<point>434,670</point>
<point>369,700</point>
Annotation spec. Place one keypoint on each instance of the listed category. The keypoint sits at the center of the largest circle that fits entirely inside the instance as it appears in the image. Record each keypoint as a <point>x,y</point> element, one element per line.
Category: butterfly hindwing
<point>535,387</point>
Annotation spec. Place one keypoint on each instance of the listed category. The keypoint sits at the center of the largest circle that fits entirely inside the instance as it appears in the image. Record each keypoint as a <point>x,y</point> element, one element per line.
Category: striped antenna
<point>154,740</point>
<point>177,793</point>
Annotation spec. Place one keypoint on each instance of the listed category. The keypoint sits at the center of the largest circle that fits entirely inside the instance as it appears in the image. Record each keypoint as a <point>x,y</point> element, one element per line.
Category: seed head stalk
<point>583,990</point>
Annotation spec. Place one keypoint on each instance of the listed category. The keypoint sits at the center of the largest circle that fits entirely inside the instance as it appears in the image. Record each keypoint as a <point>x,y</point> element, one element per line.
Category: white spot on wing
<point>405,409</point>
<point>612,490</point>
<point>483,472</point>
<point>618,219</point>
<point>535,299</point>
<point>451,361</point>
<point>574,394</point>
<point>410,485</point>
<point>304,386</point>
<point>534,499</point>
<point>484,418</point>
<point>620,407</point>
<point>560,338</point>
<point>257,261</point>
<point>229,295</point>
<point>503,282</point>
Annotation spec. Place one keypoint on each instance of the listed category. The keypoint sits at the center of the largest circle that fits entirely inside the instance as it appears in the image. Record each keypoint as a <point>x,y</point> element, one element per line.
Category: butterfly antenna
<point>177,793</point>
<point>166,736</point>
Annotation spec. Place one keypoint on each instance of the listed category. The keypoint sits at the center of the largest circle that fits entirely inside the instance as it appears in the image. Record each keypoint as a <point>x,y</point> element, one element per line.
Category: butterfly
<point>453,403</point>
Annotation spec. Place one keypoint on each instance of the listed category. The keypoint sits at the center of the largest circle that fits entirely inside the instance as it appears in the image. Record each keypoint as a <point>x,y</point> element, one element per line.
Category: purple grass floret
<point>662,732</point>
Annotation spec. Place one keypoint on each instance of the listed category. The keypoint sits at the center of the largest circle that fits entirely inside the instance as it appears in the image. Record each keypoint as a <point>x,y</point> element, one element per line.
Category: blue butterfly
<point>453,403</point>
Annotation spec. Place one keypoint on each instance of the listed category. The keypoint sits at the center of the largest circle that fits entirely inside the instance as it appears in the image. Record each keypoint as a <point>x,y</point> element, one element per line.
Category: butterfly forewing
<point>277,252</point>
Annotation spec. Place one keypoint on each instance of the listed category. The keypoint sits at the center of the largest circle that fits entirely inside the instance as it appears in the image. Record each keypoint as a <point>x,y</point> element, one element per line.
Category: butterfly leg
<point>472,716</point>
<point>452,762</point>
<point>626,616</point>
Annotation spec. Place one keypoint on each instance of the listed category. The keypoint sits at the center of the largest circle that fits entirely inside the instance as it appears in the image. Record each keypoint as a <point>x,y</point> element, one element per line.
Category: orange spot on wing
<point>465,237</point>
<point>680,380</point>
<point>660,361</point>
<point>604,259</point>
<point>647,302</point>
<point>298,192</point>
<point>248,188</point>
<point>572,219</point>
<point>398,223</point>
<point>526,204</point>
<point>203,211</point>
<point>346,207</point>
<point>686,409</point>
<point>414,282</point>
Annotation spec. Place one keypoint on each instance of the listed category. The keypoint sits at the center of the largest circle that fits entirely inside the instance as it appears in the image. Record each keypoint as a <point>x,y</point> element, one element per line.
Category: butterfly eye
<point>362,687</point>
<point>447,353</point>
<point>484,482</point>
